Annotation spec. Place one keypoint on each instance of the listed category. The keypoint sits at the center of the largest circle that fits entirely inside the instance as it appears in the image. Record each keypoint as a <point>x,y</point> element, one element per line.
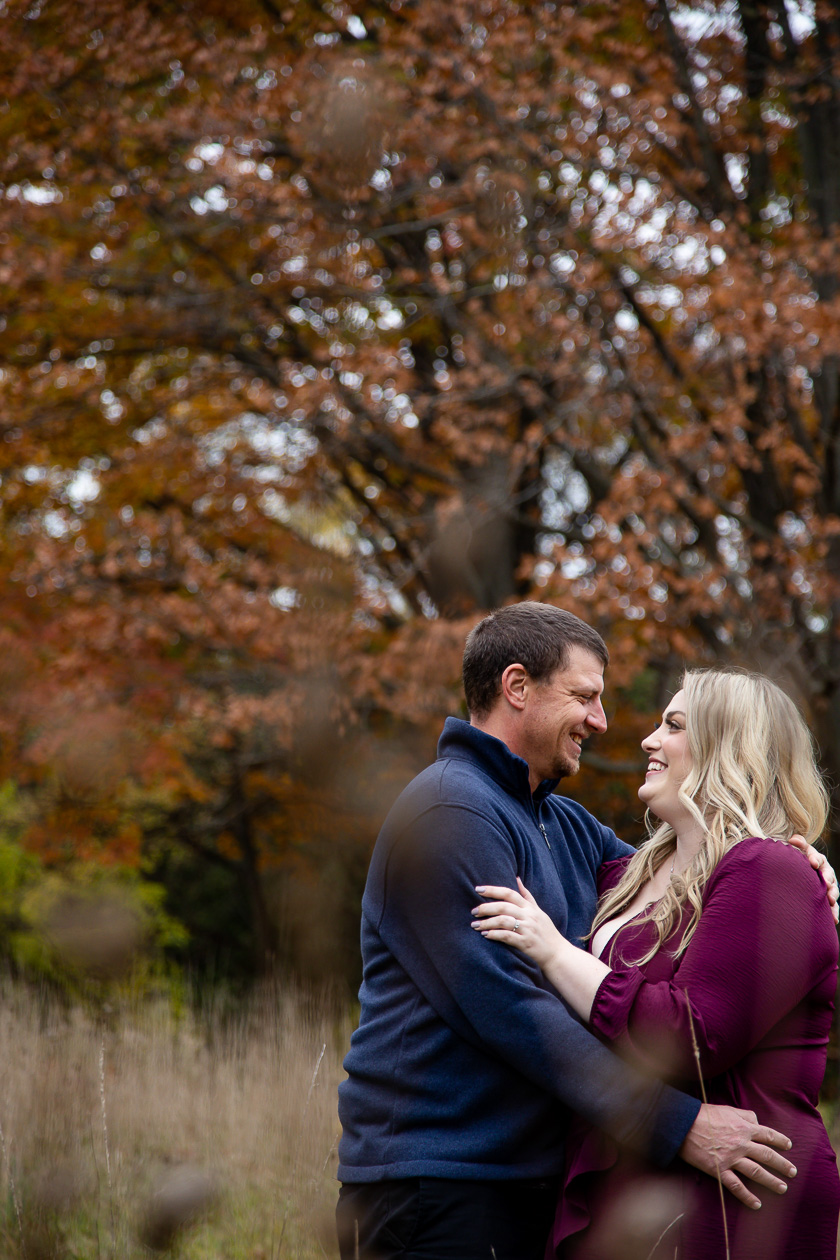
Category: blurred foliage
<point>87,930</point>
<point>325,327</point>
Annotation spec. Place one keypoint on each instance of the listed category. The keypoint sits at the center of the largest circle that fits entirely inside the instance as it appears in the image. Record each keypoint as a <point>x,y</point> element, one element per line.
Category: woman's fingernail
<point>479,888</point>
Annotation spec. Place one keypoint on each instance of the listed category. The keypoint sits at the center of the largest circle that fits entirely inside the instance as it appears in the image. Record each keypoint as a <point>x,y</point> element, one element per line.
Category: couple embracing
<point>520,1083</point>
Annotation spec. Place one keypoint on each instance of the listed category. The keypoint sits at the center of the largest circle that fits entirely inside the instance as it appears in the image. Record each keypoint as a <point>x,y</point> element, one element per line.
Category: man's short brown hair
<point>535,636</point>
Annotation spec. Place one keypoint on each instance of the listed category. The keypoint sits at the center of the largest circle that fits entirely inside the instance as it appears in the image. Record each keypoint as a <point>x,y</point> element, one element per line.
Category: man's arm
<point>496,998</point>
<point>654,1023</point>
<point>491,996</point>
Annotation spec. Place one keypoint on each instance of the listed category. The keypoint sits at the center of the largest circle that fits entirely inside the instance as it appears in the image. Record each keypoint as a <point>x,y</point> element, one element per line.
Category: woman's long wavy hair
<point>753,773</point>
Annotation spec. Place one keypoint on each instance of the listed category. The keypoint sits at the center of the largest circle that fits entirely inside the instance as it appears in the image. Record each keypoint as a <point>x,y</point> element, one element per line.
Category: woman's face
<point>669,762</point>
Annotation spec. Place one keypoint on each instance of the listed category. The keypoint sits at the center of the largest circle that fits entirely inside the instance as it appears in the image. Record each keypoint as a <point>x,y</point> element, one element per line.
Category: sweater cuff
<point>675,1116</point>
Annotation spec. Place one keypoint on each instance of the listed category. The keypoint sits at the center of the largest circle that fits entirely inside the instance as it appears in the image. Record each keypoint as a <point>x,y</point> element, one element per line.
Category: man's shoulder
<point>453,783</point>
<point>574,814</point>
<point>450,801</point>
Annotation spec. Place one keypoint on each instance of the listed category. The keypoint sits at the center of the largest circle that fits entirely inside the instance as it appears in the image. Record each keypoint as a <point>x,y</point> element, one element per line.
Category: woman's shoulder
<point>761,858</point>
<point>609,873</point>
<point>762,881</point>
<point>764,850</point>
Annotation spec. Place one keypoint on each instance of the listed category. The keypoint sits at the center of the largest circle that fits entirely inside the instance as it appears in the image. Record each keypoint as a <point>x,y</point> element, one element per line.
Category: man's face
<point>562,711</point>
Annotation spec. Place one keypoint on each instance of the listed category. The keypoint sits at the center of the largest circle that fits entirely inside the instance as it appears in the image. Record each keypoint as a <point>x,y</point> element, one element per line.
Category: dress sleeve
<point>765,939</point>
<point>610,872</point>
<point>496,998</point>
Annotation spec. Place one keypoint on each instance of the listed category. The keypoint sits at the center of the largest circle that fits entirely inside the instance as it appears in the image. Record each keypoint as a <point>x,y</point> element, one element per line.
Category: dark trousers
<point>426,1218</point>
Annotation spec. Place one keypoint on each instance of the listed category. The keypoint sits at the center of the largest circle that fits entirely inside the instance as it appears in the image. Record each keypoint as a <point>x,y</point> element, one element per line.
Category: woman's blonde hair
<point>753,773</point>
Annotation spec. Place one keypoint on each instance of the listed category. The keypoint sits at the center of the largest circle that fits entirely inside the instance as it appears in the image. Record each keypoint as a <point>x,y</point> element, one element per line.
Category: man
<point>466,1064</point>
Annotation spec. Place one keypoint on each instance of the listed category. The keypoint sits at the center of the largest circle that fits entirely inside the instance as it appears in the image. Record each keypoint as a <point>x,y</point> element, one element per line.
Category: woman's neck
<point>690,837</point>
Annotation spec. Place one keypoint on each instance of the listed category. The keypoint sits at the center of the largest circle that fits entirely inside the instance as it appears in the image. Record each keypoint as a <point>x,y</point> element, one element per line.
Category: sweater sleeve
<point>614,850</point>
<point>495,997</point>
<point>765,939</point>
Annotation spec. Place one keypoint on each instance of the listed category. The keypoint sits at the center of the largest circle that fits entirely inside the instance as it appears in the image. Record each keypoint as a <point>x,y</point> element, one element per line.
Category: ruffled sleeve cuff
<point>613,1003</point>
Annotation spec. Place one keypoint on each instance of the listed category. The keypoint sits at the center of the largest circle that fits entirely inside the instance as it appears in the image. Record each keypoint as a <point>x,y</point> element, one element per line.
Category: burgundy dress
<point>757,984</point>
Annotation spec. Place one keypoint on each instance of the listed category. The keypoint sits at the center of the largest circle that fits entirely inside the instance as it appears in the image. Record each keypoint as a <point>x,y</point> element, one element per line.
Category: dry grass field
<point>151,1133</point>
<point>148,1132</point>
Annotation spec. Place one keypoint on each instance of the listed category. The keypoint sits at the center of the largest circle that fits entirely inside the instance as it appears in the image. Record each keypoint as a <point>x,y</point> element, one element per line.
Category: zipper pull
<point>545,835</point>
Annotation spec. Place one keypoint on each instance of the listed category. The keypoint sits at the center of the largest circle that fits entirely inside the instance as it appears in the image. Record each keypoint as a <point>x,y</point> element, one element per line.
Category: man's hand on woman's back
<point>731,1144</point>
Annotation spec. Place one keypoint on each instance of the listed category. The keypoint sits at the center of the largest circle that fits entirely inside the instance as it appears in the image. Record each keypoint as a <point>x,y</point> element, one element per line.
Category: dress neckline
<point>619,924</point>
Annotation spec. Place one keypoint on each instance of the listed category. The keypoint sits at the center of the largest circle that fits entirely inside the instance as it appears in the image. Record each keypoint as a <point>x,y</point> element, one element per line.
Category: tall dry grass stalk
<point>215,1135</point>
<point>696,1049</point>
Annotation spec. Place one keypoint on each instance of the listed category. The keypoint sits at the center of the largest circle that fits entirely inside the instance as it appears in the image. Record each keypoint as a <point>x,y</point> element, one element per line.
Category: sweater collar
<point>492,755</point>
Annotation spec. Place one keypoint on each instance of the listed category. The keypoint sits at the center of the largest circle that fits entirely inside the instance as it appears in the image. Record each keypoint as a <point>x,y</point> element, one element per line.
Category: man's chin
<point>566,768</point>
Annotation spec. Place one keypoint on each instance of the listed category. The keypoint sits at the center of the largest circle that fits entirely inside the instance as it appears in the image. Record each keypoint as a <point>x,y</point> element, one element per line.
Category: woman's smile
<point>669,761</point>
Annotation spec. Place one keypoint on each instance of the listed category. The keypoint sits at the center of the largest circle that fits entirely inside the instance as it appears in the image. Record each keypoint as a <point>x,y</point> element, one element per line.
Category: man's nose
<point>597,718</point>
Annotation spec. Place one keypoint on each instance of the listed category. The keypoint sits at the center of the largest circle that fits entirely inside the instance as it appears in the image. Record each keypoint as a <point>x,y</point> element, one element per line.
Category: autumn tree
<point>328,325</point>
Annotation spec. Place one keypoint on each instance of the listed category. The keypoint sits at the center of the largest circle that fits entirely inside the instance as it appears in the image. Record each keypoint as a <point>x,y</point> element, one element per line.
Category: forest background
<point>326,327</point>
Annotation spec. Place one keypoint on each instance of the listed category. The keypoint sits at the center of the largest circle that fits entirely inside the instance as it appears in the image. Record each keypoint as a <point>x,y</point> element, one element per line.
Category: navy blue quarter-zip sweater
<point>466,1062</point>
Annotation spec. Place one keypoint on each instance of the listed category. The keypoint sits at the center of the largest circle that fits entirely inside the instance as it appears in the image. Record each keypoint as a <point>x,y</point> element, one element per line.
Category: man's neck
<point>500,727</point>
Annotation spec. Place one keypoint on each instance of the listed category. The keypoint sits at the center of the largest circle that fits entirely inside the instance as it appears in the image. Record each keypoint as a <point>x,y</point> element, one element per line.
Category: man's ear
<point>515,682</point>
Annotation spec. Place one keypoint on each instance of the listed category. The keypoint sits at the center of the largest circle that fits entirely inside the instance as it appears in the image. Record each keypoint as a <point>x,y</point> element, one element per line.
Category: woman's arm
<point>764,941</point>
<point>576,975</point>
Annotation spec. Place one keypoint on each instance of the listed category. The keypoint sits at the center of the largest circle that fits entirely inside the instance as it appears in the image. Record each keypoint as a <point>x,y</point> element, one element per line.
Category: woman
<point>712,963</point>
